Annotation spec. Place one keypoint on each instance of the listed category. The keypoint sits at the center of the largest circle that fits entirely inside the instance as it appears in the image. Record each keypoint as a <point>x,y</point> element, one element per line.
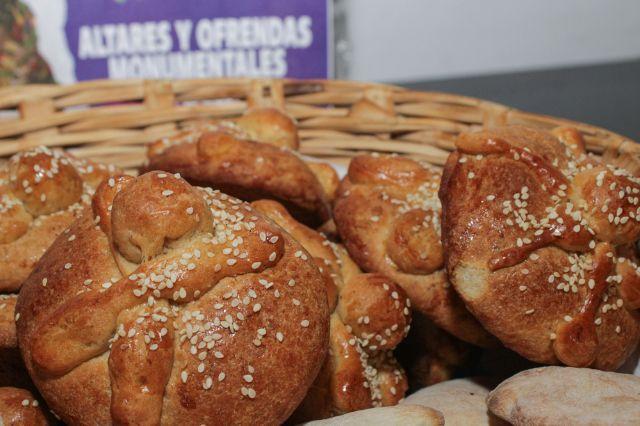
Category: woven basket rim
<point>112,120</point>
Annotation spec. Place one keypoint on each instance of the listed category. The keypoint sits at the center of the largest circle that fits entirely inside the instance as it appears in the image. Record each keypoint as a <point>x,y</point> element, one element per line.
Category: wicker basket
<point>111,121</point>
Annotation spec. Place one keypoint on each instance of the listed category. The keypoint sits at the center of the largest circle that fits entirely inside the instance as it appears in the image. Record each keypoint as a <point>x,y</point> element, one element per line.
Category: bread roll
<point>171,304</point>
<point>540,242</point>
<point>370,316</point>
<point>41,193</point>
<point>388,214</point>
<point>252,158</point>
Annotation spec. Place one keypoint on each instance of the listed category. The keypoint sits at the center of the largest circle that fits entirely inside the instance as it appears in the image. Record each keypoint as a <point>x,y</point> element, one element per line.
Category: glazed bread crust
<point>41,193</point>
<point>539,242</point>
<point>246,159</point>
<point>388,214</point>
<point>174,304</point>
<point>370,317</point>
<point>18,407</point>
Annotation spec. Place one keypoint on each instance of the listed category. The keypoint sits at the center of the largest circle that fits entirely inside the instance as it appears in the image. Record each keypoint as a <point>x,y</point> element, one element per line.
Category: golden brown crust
<point>201,328</point>
<point>7,321</point>
<point>534,233</point>
<point>41,193</point>
<point>271,126</point>
<point>327,177</point>
<point>247,163</point>
<point>19,408</point>
<point>388,215</point>
<point>370,318</point>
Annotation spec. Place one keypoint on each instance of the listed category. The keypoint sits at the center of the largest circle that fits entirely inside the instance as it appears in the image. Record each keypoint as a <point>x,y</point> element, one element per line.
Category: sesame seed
<point>167,192</point>
<point>304,323</point>
<point>247,378</point>
<point>25,402</point>
<point>567,318</point>
<point>279,336</point>
<point>256,265</point>
<point>189,210</point>
<point>208,382</point>
<point>67,266</point>
<point>221,376</point>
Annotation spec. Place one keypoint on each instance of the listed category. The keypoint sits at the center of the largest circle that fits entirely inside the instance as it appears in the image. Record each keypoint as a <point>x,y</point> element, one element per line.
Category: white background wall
<point>409,40</point>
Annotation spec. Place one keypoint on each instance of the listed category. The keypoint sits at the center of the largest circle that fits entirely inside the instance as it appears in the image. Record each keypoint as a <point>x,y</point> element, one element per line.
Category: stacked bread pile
<point>235,282</point>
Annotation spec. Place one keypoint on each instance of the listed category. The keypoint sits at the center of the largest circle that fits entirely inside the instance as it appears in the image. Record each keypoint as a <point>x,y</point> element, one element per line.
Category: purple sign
<point>172,39</point>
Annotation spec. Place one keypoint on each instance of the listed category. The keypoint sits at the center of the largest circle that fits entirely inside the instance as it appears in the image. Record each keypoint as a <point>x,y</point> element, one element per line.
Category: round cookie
<point>549,396</point>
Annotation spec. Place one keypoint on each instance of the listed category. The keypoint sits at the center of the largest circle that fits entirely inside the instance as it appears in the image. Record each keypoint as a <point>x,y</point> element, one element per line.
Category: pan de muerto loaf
<point>41,193</point>
<point>370,316</point>
<point>171,304</point>
<point>388,215</point>
<point>251,158</point>
<point>540,240</point>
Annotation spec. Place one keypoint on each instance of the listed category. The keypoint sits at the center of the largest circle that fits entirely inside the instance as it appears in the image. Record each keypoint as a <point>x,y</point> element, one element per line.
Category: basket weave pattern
<point>110,121</point>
